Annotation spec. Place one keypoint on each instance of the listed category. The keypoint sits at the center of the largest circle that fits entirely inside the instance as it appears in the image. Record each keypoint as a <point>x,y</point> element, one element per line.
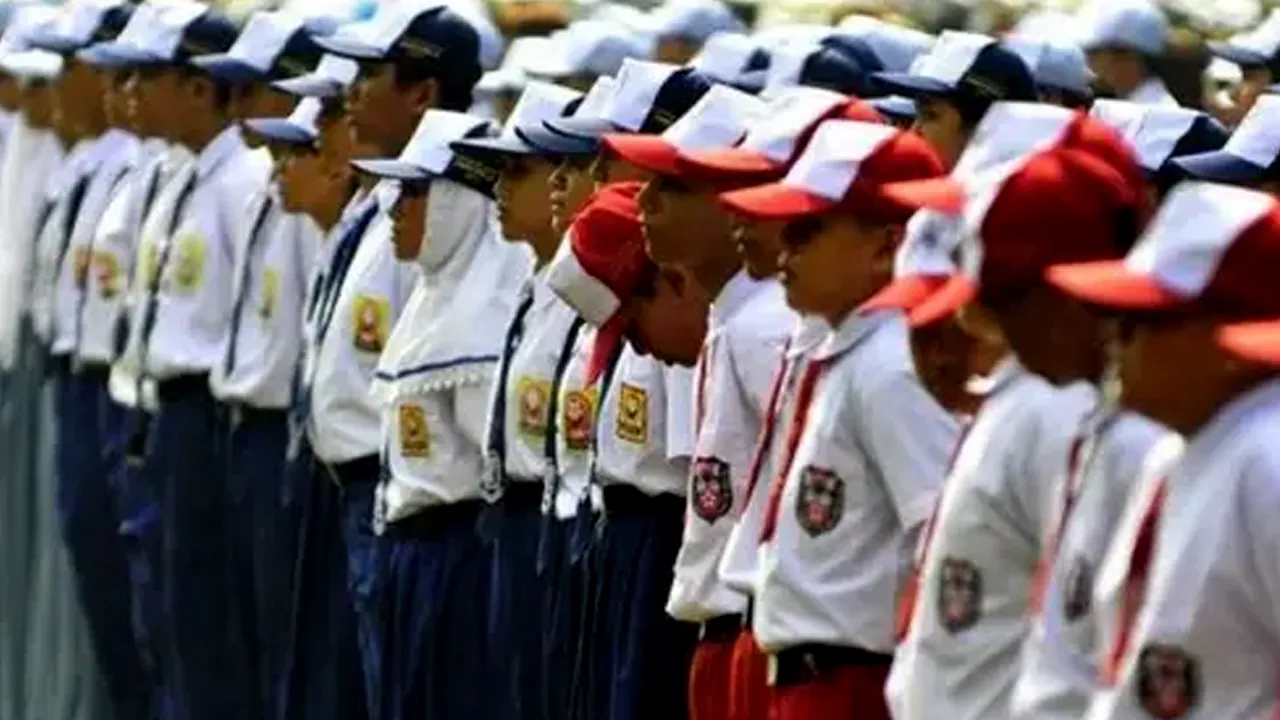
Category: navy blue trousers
<point>320,677</point>
<point>515,615</point>
<point>436,570</point>
<point>89,520</point>
<point>259,528</point>
<point>563,577</point>
<point>359,481</point>
<point>202,654</point>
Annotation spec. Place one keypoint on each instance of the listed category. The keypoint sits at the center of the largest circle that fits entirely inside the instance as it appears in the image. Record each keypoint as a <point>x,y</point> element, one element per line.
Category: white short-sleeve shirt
<point>575,423</point>
<point>642,438</point>
<point>866,472</point>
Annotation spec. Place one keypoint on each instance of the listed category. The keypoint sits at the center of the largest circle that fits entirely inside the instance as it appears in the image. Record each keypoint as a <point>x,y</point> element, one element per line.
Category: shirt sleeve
<point>909,437</point>
<point>679,387</point>
<point>471,408</point>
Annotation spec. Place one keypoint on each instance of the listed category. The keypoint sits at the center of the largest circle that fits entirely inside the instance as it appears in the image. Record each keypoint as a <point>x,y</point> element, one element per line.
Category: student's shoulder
<point>764,323</point>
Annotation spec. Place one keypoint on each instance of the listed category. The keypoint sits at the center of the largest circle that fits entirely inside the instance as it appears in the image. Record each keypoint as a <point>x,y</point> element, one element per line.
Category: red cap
<point>923,264</point>
<point>846,167</point>
<point>777,141</point>
<point>1257,342</point>
<point>1210,248</point>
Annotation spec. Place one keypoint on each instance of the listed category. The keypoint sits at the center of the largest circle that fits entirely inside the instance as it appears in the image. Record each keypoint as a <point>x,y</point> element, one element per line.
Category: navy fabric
<point>89,522</point>
<point>260,566</point>
<point>320,676</point>
<point>515,621</point>
<point>562,583</point>
<point>202,649</point>
<point>364,584</point>
<point>434,645</point>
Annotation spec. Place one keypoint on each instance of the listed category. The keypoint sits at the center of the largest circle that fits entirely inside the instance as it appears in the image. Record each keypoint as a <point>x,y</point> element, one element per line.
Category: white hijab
<point>451,331</point>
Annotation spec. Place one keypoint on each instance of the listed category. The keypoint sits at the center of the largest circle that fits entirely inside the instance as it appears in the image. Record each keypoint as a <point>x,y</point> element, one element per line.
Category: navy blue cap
<point>895,107</point>
<point>965,64</point>
<point>840,64</point>
<point>413,32</point>
<point>1249,155</point>
<point>648,97</point>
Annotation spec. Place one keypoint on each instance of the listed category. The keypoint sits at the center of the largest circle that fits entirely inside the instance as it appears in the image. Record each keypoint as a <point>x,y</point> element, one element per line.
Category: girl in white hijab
<point>433,381</point>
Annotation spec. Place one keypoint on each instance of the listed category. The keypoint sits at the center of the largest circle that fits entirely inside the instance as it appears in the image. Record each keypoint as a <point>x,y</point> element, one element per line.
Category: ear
<point>890,238</point>
<point>424,95</point>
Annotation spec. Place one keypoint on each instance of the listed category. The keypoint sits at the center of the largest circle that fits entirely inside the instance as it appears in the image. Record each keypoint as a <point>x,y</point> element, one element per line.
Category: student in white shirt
<point>432,384</point>
<point>413,56</point>
<point>639,442</point>
<point>1186,606</point>
<point>1014,477</point>
<point>830,567</point>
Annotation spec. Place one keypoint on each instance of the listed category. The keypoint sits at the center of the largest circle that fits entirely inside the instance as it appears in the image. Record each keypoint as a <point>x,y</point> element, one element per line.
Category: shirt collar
<point>733,296</point>
<point>227,143</point>
<point>1005,372</point>
<point>853,330</point>
<point>1150,92</point>
<point>810,330</point>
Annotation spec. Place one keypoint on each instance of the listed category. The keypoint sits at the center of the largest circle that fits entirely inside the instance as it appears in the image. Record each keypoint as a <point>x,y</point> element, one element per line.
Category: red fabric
<point>749,693</point>
<point>709,680</point>
<point>1070,489</point>
<point>1135,585</point>
<point>846,693</point>
<point>804,398</point>
<point>765,440</point>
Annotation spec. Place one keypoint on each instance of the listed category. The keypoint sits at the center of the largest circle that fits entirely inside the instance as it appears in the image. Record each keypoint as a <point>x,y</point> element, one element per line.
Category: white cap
<point>512,75</point>
<point>259,45</point>
<point>587,47</point>
<point>77,24</point>
<point>331,77</point>
<point>32,64</point>
<point>1134,24</point>
<point>1258,46</point>
<point>1153,131</point>
<point>719,119</point>
<point>27,20</point>
<point>896,47</point>
<point>734,59</point>
<point>695,20</point>
<point>1054,64</point>
<point>430,150</point>
<point>300,128</point>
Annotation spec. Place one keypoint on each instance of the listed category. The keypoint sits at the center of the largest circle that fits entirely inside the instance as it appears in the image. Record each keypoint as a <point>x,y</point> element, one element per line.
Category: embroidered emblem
<point>270,293</point>
<point>107,274</point>
<point>414,442</point>
<point>820,502</point>
<point>371,321</point>
<point>188,263</point>
<point>578,418</point>
<point>149,266</point>
<point>1077,592</point>
<point>633,414</point>
<point>1168,681</point>
<point>532,398</point>
<point>712,489</point>
<point>80,261</point>
<point>959,595</point>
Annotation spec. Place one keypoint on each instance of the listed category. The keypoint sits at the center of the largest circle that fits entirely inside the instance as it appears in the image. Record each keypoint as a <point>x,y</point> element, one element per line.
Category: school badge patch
<point>1077,593</point>
<point>532,397</point>
<point>107,273</point>
<point>578,417</point>
<point>820,501</point>
<point>712,489</point>
<point>633,414</point>
<point>270,294</point>
<point>959,595</point>
<point>370,322</point>
<point>414,441</point>
<point>188,263</point>
<point>1168,681</point>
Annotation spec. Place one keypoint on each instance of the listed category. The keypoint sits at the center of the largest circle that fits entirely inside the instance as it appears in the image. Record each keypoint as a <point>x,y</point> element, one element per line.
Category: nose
<point>556,180</point>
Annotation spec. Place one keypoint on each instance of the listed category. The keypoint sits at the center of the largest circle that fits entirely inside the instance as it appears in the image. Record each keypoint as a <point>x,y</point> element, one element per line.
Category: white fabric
<point>587,47</point>
<point>1183,245</point>
<point>790,113</point>
<point>656,397</point>
<point>929,246</point>
<point>80,20</point>
<point>747,329</point>
<point>991,521</point>
<point>513,73</point>
<point>586,294</point>
<point>380,32</point>
<point>875,433</point>
<point>1054,63</point>
<point>634,91</point>
<point>693,19</point>
<point>1152,92</point>
<point>575,425</point>
<point>786,66</point>
<point>29,153</point>
<point>1257,138</point>
<point>1136,24</point>
<point>539,101</point>
<point>1152,131</point>
<point>51,234</point>
<point>263,38</point>
<point>597,99</point>
<point>718,120</point>
<point>832,159</point>
<point>1212,595</point>
<point>725,57</point>
<point>159,32</point>
<point>952,56</point>
<point>27,20</point>
<point>895,46</point>
<point>32,64</point>
<point>429,148</point>
<point>1264,40</point>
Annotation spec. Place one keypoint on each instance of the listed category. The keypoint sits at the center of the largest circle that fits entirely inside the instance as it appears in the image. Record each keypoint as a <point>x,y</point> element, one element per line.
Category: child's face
<point>10,93</point>
<point>938,122</point>
<point>1141,349</point>
<point>684,223</point>
<point>608,169</point>
<point>261,100</point>
<point>116,101</point>
<point>759,243</point>
<point>383,114</point>
<point>158,101</point>
<point>409,222</point>
<point>669,319</point>
<point>571,186</point>
<point>833,263</point>
<point>37,104</point>
<point>523,194</point>
<point>941,352</point>
<point>80,97</point>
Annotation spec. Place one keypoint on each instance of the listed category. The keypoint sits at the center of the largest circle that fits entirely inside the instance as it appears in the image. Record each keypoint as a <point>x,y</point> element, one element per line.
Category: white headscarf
<point>451,331</point>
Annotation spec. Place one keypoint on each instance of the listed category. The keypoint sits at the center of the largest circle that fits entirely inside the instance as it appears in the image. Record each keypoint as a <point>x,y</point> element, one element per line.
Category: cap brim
<point>281,130</point>
<point>650,152</point>
<point>1111,284</point>
<point>954,293</point>
<point>941,193</point>
<point>905,293</point>
<point>585,128</point>
<point>229,69</point>
<point>395,169</point>
<point>311,85</point>
<point>501,145</point>
<point>1257,342</point>
<point>895,106</point>
<point>1218,166</point>
<point>912,86</point>
<point>116,55</point>
<point>351,47</point>
<point>732,161</point>
<point>1236,54</point>
<point>60,44</point>
<point>776,201</point>
<point>550,142</point>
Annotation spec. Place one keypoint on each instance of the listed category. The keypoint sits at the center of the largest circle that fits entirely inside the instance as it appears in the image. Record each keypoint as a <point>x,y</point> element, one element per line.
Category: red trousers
<point>749,692</point>
<point>709,680</point>
<point>852,692</point>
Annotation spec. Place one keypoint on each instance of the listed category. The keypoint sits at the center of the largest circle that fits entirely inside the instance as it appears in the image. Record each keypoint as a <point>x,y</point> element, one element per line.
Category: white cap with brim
<point>430,150</point>
<point>331,78</point>
<point>26,21</point>
<point>694,20</point>
<point>300,128</point>
<point>512,75</point>
<point>32,64</point>
<point>77,25</point>
<point>256,49</point>
<point>540,101</point>
<point>587,48</point>
<point>373,38</point>
<point>1136,25</point>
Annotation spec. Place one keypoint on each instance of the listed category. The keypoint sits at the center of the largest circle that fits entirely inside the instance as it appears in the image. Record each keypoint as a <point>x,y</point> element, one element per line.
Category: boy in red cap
<point>637,447</point>
<point>847,494</point>
<point>1187,594</point>
<point>1036,184</point>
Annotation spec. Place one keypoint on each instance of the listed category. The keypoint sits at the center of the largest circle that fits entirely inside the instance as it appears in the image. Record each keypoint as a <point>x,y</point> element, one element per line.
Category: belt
<point>630,500</point>
<point>724,628</point>
<point>361,471</point>
<point>95,371</point>
<point>57,365</point>
<point>435,520</point>
<point>522,494</point>
<point>182,386</point>
<point>241,414</point>
<point>803,663</point>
